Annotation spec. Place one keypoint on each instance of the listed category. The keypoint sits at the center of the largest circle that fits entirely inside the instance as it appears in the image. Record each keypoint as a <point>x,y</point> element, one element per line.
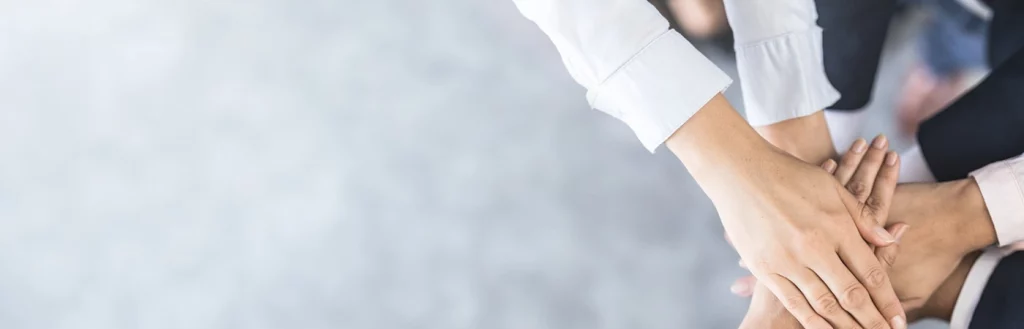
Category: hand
<point>767,312</point>
<point>801,232</point>
<point>946,229</point>
<point>950,220</point>
<point>861,173</point>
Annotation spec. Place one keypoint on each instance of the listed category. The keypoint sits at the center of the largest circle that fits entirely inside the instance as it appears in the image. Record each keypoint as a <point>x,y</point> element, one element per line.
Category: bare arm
<point>806,138</point>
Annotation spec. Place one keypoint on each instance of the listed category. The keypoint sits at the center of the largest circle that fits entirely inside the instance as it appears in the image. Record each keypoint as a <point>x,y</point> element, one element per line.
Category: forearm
<point>977,227</point>
<point>806,138</point>
<point>957,211</point>
<point>719,148</point>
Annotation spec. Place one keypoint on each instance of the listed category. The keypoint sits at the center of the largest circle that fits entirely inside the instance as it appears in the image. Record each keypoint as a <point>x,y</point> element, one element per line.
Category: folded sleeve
<point>634,67</point>
<point>779,58</point>
<point>1000,185</point>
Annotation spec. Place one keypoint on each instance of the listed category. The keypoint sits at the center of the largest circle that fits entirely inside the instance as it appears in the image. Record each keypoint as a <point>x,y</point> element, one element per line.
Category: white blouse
<point>638,70</point>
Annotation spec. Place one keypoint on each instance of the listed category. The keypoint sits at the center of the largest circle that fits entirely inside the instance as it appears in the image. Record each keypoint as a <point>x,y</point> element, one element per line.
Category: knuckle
<point>889,258</point>
<point>857,187</point>
<point>854,296</point>
<point>827,304</point>
<point>875,277</point>
<point>874,202</point>
<point>793,303</point>
<point>891,307</point>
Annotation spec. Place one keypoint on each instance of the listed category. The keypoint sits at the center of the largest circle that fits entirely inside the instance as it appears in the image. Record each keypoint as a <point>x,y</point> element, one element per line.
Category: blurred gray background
<point>336,164</point>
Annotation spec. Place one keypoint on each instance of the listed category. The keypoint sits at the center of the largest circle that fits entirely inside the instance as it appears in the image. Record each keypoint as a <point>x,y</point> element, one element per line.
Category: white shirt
<point>634,67</point>
<point>1001,187</point>
<point>779,59</point>
<point>638,70</point>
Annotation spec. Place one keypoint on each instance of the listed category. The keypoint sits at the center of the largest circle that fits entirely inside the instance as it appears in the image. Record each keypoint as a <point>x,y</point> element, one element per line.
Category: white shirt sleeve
<point>1000,185</point>
<point>779,57</point>
<point>974,286</point>
<point>634,67</point>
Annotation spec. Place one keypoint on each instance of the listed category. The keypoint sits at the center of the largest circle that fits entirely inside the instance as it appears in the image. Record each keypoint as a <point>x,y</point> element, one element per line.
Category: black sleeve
<point>1002,303</point>
<point>986,125</point>
<point>1006,31</point>
<point>852,47</point>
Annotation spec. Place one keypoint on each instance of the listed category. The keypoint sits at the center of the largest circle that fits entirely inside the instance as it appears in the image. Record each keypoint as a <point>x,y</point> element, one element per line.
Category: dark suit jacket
<point>1002,303</point>
<point>986,125</point>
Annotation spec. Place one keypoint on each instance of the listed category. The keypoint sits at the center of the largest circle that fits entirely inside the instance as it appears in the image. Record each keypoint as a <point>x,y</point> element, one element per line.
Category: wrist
<point>953,212</point>
<point>806,138</point>
<point>718,147</point>
<point>976,224</point>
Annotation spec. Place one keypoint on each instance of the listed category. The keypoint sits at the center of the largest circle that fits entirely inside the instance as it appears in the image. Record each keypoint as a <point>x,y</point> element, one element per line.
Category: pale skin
<point>802,233</point>
<point>950,222</point>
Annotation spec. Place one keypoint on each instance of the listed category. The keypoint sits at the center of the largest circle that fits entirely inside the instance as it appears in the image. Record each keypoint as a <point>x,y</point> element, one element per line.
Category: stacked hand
<point>943,234</point>
<point>801,232</point>
<point>815,260</point>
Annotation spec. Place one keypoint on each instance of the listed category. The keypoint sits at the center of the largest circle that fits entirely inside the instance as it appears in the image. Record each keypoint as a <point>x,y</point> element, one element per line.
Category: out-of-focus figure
<point>698,20</point>
<point>952,59</point>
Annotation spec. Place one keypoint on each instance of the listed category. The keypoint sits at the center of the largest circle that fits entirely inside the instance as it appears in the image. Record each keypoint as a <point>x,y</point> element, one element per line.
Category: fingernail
<point>882,233</point>
<point>890,159</point>
<point>898,322</point>
<point>880,142</point>
<point>740,288</point>
<point>830,166</point>
<point>860,146</point>
<point>901,231</point>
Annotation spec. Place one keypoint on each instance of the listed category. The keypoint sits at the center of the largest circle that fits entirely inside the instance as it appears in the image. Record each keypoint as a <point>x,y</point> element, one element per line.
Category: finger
<point>887,255</point>
<point>851,294</point>
<point>869,229</point>
<point>744,287</point>
<point>865,267</point>
<point>878,203</point>
<point>794,302</point>
<point>850,161</point>
<point>830,166</point>
<point>822,300</point>
<point>864,176</point>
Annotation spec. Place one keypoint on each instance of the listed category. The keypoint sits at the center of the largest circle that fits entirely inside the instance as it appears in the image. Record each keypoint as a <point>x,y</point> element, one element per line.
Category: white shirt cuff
<point>974,286</point>
<point>784,77</point>
<point>1001,188</point>
<point>659,89</point>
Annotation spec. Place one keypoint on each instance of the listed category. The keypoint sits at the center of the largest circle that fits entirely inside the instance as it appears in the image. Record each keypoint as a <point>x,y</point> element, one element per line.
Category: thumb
<point>887,255</point>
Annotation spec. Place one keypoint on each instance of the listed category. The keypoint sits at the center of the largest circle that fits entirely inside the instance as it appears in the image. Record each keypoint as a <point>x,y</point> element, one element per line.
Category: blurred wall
<point>330,164</point>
